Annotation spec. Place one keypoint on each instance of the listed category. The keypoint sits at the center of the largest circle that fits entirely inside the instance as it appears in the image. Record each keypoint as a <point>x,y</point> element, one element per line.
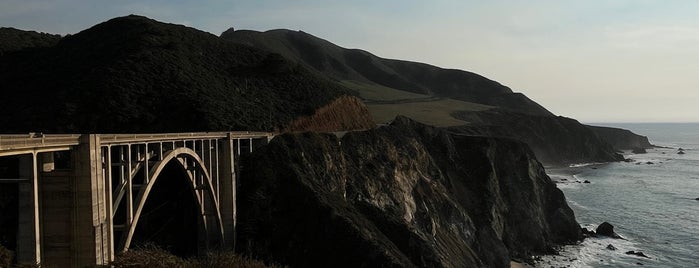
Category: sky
<point>593,60</point>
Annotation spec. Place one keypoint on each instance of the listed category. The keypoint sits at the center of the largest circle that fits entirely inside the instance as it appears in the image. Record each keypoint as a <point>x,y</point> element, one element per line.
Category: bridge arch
<point>196,172</point>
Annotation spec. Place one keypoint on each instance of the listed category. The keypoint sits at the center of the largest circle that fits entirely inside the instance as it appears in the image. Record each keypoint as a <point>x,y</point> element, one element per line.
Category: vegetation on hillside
<point>344,113</point>
<point>134,74</point>
<point>155,257</point>
<point>15,40</point>
<point>6,256</point>
<point>359,66</point>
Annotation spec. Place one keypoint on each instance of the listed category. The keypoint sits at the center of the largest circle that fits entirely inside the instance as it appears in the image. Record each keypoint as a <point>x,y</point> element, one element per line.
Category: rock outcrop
<point>606,229</point>
<point>555,140</point>
<point>622,139</point>
<point>403,195</point>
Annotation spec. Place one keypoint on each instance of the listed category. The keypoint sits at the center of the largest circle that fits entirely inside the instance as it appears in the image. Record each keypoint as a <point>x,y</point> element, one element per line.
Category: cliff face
<point>555,140</point>
<point>622,139</point>
<point>404,195</point>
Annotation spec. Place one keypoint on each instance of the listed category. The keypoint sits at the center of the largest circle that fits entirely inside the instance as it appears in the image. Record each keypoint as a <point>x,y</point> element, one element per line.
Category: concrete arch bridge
<point>83,198</point>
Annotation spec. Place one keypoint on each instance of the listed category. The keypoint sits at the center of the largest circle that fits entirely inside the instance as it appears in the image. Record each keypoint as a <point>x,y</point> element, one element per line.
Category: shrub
<point>153,256</point>
<point>5,257</point>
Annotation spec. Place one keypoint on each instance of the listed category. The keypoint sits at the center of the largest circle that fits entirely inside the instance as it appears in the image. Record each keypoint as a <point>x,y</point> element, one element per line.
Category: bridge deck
<point>32,142</point>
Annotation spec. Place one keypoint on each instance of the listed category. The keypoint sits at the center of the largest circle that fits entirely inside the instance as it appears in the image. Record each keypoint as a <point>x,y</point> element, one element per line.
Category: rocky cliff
<point>403,195</point>
<point>622,139</point>
<point>555,140</point>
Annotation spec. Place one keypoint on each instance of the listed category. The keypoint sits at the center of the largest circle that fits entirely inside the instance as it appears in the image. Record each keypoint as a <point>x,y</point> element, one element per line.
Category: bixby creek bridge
<point>84,198</point>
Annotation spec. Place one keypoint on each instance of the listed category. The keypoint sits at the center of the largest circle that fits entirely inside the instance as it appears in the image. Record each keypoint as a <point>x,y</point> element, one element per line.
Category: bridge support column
<point>29,230</point>
<point>227,197</point>
<point>91,224</point>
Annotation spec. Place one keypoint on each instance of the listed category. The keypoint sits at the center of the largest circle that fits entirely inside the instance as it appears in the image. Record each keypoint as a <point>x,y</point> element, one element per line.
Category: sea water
<point>650,200</point>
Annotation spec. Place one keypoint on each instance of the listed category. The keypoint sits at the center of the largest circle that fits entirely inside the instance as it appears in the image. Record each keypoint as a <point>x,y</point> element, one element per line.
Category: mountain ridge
<point>149,76</point>
<point>476,106</point>
<point>362,66</point>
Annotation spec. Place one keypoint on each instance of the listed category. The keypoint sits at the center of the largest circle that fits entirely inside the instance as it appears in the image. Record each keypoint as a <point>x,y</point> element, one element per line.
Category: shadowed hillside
<point>464,101</point>
<point>369,70</point>
<point>134,74</point>
<point>12,39</point>
<point>555,140</point>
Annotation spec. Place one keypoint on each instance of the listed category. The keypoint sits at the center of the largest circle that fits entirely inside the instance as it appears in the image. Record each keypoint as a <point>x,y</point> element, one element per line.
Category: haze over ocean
<point>652,205</point>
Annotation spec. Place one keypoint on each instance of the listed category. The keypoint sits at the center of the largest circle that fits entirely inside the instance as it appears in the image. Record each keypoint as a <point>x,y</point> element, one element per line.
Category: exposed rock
<point>402,195</point>
<point>588,233</point>
<point>650,163</point>
<point>680,152</point>
<point>607,229</point>
<point>637,253</point>
<point>639,150</point>
<point>586,181</point>
<point>611,247</point>
<point>697,199</point>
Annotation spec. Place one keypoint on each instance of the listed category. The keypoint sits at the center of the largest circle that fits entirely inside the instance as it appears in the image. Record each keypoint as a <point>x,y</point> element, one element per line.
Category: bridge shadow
<point>9,203</point>
<point>170,217</point>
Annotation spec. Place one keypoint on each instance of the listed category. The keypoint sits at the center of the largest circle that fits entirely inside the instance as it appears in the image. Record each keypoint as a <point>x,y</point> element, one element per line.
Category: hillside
<point>463,101</point>
<point>622,139</point>
<point>555,140</point>
<point>366,70</point>
<point>134,74</point>
<point>12,39</point>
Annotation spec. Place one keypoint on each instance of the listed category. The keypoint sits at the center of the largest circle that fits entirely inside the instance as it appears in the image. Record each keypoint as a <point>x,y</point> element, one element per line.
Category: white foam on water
<point>593,252</point>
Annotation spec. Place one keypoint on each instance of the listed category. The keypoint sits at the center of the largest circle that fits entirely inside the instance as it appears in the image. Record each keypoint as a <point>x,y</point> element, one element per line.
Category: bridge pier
<point>28,229</point>
<point>91,227</point>
<point>227,194</point>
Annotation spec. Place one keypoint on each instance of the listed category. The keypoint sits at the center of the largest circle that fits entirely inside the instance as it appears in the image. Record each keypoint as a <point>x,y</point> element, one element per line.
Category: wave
<point>585,164</point>
<point>594,252</point>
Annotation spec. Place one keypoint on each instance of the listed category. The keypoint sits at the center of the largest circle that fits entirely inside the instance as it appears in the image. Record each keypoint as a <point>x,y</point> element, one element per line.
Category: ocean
<point>649,200</point>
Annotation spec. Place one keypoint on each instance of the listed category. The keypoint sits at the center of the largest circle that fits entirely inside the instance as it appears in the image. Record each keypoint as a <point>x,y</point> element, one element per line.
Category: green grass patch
<point>436,113</point>
<point>379,92</point>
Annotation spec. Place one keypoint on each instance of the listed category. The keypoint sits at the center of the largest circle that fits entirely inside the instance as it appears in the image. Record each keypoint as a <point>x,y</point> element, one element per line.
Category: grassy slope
<point>376,78</point>
<point>386,103</point>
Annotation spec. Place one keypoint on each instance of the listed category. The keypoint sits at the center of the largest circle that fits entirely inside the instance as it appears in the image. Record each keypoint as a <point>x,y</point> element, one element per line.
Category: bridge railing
<point>38,140</point>
<point>133,138</point>
<point>27,141</point>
